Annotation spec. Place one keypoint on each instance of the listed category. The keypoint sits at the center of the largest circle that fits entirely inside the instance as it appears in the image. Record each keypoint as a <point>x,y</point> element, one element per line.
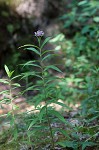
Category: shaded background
<point>76,21</point>
<point>73,25</point>
<point>18,22</point>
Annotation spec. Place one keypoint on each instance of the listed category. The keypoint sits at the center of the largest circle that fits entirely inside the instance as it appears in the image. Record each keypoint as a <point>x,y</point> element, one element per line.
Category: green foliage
<point>9,73</point>
<point>80,81</point>
<point>81,23</point>
<point>9,100</point>
<point>46,87</point>
<point>90,106</point>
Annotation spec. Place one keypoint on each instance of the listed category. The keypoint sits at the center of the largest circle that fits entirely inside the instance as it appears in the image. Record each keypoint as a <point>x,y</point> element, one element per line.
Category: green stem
<point>11,98</point>
<point>44,87</point>
<point>51,133</point>
<point>26,87</point>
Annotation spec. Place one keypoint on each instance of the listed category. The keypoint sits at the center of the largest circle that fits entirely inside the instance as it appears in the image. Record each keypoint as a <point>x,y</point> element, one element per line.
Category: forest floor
<point>72,117</point>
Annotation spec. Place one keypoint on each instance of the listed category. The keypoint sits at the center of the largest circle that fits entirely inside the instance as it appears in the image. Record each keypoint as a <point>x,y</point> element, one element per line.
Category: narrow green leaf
<point>16,84</point>
<point>49,55</point>
<point>51,80</point>
<point>30,133</point>
<point>38,127</point>
<point>32,123</point>
<point>70,144</point>
<point>11,73</point>
<point>58,115</point>
<point>48,81</point>
<point>39,99</point>
<point>45,41</point>
<point>35,65</point>
<point>16,77</point>
<point>82,2</point>
<point>34,50</point>
<point>30,74</point>
<point>4,81</point>
<point>5,100</point>
<point>7,71</point>
<point>62,104</point>
<point>27,63</point>
<point>92,119</point>
<point>52,67</point>
<point>31,88</point>
<point>5,91</point>
<point>28,45</point>
<point>47,51</point>
<point>64,132</point>
<point>50,101</point>
<point>42,112</point>
<point>38,76</point>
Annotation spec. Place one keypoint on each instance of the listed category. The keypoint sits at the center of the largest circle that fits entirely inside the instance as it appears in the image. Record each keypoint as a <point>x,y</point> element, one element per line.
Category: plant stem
<point>11,98</point>
<point>44,87</point>
<point>51,133</point>
<point>26,87</point>
<point>11,101</point>
<point>49,124</point>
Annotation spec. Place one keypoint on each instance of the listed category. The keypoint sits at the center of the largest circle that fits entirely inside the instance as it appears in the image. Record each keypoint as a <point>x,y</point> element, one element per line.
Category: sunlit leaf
<point>16,84</point>
<point>4,81</point>
<point>5,91</point>
<point>7,70</point>
<point>96,19</point>
<point>28,45</point>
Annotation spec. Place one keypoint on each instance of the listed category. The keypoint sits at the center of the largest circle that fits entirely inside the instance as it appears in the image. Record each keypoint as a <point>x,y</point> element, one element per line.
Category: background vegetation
<point>74,30</point>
